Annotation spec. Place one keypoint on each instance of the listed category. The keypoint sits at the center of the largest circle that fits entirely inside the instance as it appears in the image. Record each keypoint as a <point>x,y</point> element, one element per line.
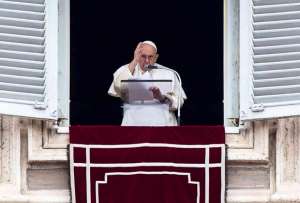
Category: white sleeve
<point>122,73</point>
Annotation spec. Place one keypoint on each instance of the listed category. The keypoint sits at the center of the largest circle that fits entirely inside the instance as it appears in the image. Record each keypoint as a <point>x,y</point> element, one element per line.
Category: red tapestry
<point>112,164</point>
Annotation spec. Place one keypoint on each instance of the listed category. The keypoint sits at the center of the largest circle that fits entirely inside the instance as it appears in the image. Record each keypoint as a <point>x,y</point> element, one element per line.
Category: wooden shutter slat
<point>276,90</point>
<point>22,22</point>
<point>22,39</point>
<point>22,63</point>
<point>22,14</point>
<point>21,96</point>
<point>276,8</point>
<point>14,79</point>
<point>286,98</point>
<point>276,24</point>
<point>276,49</point>
<point>22,6</point>
<point>21,55</point>
<point>276,16</point>
<point>274,41</point>
<point>276,73</point>
<point>29,1</point>
<point>276,82</point>
<point>22,31</point>
<point>276,33</point>
<point>22,88</point>
<point>276,65</point>
<point>272,2</point>
<point>272,57</point>
<point>21,71</point>
<point>22,47</point>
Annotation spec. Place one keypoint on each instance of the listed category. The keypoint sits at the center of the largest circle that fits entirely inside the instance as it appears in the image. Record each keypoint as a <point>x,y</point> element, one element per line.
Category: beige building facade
<point>263,156</point>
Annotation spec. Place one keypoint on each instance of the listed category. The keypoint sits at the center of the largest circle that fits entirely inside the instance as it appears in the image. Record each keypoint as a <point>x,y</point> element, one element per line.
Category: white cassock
<point>148,113</point>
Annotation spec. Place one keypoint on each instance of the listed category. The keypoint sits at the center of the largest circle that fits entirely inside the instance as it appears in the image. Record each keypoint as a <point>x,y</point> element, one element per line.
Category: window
<point>98,52</point>
<point>33,54</point>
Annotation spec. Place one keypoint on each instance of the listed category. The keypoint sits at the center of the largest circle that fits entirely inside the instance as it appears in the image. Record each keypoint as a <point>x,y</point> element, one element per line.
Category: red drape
<point>112,164</point>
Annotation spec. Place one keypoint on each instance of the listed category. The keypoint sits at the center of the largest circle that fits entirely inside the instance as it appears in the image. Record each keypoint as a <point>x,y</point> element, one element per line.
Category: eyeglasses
<point>150,57</point>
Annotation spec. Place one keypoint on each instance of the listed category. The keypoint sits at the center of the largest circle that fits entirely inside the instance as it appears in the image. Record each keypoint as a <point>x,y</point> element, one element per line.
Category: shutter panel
<point>28,58</point>
<point>270,58</point>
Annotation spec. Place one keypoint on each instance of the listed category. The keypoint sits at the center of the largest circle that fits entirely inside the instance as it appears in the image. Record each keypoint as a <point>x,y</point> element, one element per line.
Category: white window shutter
<point>269,58</point>
<point>28,58</point>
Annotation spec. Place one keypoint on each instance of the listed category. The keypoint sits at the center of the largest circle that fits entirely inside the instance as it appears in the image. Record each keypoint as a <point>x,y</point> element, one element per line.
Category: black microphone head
<point>152,66</point>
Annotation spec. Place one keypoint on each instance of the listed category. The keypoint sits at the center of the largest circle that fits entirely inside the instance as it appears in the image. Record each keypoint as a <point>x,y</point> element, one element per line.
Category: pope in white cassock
<point>160,110</point>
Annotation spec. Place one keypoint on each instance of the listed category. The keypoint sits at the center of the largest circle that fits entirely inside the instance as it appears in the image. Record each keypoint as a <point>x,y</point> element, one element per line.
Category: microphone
<point>158,66</point>
<point>152,67</point>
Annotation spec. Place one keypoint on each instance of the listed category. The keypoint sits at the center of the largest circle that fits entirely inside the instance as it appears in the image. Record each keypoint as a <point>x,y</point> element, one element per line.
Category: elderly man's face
<point>148,55</point>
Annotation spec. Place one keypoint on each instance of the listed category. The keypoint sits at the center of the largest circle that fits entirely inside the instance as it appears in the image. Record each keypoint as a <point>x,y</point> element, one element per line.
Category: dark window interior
<point>189,36</point>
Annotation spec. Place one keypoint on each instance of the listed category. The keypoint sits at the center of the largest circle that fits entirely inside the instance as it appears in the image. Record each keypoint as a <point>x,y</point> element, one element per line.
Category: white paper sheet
<point>139,89</point>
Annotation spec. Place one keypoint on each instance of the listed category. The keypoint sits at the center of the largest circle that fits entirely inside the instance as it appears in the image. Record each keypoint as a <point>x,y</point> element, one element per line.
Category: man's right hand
<point>136,58</point>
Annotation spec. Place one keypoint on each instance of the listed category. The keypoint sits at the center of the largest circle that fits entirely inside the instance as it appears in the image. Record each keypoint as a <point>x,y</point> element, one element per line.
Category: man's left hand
<point>157,94</point>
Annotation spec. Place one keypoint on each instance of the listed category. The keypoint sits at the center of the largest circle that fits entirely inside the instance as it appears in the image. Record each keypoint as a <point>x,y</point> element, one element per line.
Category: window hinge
<point>257,108</point>
<point>58,126</point>
<point>234,121</point>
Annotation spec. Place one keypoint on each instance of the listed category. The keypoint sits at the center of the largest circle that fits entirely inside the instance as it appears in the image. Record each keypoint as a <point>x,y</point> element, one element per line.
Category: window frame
<point>63,66</point>
<point>231,66</point>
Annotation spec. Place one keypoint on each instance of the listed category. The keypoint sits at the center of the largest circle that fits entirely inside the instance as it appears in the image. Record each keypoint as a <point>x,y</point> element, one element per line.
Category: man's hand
<point>157,94</point>
<point>136,58</point>
<point>124,95</point>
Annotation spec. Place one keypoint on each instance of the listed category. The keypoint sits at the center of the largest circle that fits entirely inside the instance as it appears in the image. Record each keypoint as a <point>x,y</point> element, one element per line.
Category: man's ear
<point>156,57</point>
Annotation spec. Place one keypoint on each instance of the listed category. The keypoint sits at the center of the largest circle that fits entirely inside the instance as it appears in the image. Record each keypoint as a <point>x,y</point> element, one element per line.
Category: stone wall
<point>34,165</point>
<point>263,162</point>
<point>262,165</point>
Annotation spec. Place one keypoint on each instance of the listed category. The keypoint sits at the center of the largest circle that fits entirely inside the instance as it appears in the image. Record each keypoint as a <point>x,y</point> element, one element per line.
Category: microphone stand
<point>158,66</point>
